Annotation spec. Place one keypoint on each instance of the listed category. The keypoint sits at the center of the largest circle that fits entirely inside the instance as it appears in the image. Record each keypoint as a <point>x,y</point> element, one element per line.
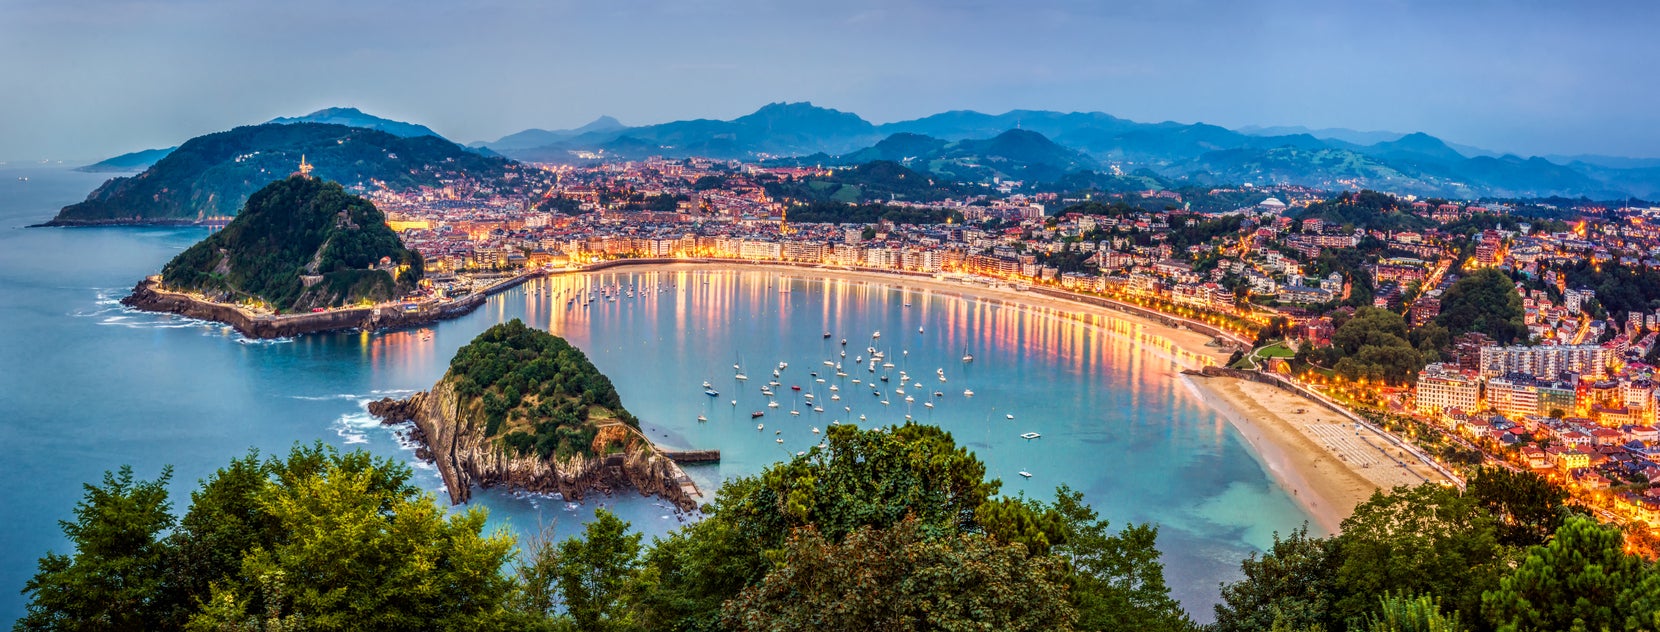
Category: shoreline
<point>1326,474</point>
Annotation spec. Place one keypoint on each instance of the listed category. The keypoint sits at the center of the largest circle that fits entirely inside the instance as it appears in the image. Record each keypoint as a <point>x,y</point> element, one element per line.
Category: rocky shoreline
<point>150,297</point>
<point>466,458</point>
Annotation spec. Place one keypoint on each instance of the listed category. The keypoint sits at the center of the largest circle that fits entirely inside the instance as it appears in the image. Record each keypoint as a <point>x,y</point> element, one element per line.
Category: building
<point>1546,362</point>
<point>1442,387</point>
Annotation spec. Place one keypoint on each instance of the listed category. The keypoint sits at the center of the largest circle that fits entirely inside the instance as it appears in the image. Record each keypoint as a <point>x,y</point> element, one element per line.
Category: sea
<point>87,386</point>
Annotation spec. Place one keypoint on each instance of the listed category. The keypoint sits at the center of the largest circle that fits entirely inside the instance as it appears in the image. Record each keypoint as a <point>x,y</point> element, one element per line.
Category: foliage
<point>320,540</point>
<point>115,578</point>
<point>1428,539</point>
<point>1529,508</point>
<point>1484,302</point>
<point>844,213</point>
<point>1117,581</point>
<point>592,572</point>
<point>1619,288</point>
<point>1402,614</point>
<point>1582,580</point>
<point>294,228</point>
<point>1373,345</point>
<point>1290,584</point>
<point>541,389</point>
<point>876,181</point>
<point>1365,209</point>
<point>902,577</point>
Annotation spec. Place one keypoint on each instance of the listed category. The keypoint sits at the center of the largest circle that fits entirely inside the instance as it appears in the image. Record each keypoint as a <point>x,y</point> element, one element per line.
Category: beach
<point>1326,462</point>
<point>1328,465</point>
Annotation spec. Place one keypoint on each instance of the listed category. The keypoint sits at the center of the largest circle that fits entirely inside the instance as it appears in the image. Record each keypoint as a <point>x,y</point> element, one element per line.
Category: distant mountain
<point>299,243</point>
<point>1016,154</point>
<point>133,161</point>
<point>1354,137</point>
<point>353,117</point>
<point>533,138</point>
<point>777,129</point>
<point>1416,146</point>
<point>214,174</point>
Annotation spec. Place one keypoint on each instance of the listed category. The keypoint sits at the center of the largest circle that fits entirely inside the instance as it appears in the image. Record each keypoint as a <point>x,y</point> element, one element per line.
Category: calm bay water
<point>86,386</point>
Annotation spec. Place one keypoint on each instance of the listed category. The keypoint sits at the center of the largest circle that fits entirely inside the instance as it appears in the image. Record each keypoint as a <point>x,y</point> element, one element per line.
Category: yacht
<point>815,429</point>
<point>928,404</point>
<point>968,392</point>
<point>711,392</point>
<point>1009,416</point>
<point>772,404</point>
<point>741,376</point>
<point>1030,436</point>
<point>755,415</point>
<point>1025,474</point>
<point>701,418</point>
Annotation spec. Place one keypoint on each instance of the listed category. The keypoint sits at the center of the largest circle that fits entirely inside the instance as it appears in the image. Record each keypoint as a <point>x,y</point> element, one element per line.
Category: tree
<point>1423,540</point>
<point>901,578</point>
<point>593,570</point>
<point>1117,581</point>
<point>1582,580</point>
<point>114,579</point>
<point>1529,507</point>
<point>358,547</point>
<point>1374,346</point>
<point>1292,584</point>
<point>1415,614</point>
<point>1484,302</point>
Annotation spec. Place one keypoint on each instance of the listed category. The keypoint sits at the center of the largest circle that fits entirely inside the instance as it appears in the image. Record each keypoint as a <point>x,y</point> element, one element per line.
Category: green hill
<point>214,174</point>
<point>298,244</point>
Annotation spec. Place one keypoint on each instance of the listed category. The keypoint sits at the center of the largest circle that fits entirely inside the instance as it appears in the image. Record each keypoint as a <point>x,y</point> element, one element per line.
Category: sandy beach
<point>1327,465</point>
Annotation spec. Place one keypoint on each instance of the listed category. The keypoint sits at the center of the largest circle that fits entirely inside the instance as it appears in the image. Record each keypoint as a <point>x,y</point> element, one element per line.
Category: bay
<point>87,386</point>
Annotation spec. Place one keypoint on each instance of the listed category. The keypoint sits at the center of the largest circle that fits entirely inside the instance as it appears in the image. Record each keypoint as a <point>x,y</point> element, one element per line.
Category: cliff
<point>150,297</point>
<point>466,458</point>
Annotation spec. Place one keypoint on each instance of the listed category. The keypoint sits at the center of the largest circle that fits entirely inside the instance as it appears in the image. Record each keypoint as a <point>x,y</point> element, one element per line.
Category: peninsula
<point>524,409</point>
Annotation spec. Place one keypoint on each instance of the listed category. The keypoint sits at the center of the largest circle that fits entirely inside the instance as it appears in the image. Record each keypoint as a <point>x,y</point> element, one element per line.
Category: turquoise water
<point>87,386</point>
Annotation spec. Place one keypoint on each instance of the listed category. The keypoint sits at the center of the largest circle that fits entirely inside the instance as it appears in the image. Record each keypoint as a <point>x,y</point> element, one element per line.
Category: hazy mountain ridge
<point>353,117</point>
<point>1333,157</point>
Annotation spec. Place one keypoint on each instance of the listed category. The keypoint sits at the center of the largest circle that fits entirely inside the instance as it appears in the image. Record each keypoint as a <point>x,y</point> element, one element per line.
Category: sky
<point>85,79</point>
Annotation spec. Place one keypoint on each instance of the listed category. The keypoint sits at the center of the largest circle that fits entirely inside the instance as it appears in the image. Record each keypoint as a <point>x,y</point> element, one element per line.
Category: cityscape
<point>734,316</point>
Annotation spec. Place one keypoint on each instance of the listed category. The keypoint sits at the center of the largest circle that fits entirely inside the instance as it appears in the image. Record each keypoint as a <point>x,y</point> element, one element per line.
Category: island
<point>302,256</point>
<point>523,409</point>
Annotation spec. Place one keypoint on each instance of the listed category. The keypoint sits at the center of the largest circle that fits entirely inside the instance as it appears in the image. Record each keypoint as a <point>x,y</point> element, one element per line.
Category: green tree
<point>1398,613</point>
<point>1484,302</point>
<point>1582,580</point>
<point>1117,580</point>
<point>1292,584</point>
<point>592,572</point>
<point>360,548</point>
<point>1422,540</point>
<point>1529,507</point>
<point>115,578</point>
<point>901,578</point>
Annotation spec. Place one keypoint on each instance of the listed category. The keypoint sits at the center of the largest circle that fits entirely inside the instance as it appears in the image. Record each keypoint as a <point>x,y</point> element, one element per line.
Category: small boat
<point>793,387</point>
<point>1030,436</point>
<point>855,380</point>
<point>779,440</point>
<point>878,334</point>
<point>741,376</point>
<point>939,393</point>
<point>807,396</point>
<point>1009,416</point>
<point>844,342</point>
<point>829,363</point>
<point>919,330</point>
<point>815,429</point>
<point>884,402</point>
<point>706,384</point>
<point>734,402</point>
<point>861,417</point>
<point>820,380</point>
<point>711,392</point>
<point>783,365</point>
<point>827,335</point>
<point>942,378</point>
<point>772,404</point>
<point>968,392</point>
<point>884,378</point>
<point>755,415</point>
<point>701,418</point>
<point>909,399</point>
<point>796,413</point>
<point>818,409</point>
<point>928,404</point>
<point>1025,473</point>
<point>835,398</point>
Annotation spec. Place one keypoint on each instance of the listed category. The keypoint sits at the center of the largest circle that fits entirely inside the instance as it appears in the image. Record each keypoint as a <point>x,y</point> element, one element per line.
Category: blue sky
<point>90,78</point>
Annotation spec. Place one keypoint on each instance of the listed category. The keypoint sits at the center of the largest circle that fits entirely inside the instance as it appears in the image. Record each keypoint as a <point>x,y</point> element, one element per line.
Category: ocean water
<point>87,386</point>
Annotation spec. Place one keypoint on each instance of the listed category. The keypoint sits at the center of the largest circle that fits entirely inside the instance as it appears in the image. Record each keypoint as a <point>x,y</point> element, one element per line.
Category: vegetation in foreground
<point>886,529</point>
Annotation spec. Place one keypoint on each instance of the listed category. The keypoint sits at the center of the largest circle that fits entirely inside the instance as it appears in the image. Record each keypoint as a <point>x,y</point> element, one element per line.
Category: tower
<point>305,167</point>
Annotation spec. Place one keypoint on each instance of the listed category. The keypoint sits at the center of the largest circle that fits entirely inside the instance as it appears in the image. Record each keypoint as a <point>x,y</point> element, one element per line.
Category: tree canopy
<point>1484,302</point>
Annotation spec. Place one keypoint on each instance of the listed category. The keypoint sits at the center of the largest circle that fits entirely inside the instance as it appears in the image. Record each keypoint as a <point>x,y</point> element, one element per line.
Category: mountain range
<point>1201,153</point>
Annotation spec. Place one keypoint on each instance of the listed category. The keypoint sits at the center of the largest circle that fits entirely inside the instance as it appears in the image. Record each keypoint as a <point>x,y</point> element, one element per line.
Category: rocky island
<point>524,409</point>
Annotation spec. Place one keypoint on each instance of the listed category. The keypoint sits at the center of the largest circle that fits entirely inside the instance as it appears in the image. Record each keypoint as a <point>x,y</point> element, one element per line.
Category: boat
<point>827,335</point>
<point>919,330</point>
<point>772,404</point>
<point>835,398</point>
<point>855,380</point>
<point>815,429</point>
<point>755,415</point>
<point>820,380</point>
<point>884,402</point>
<point>939,393</point>
<point>844,342</point>
<point>702,418</point>
<point>829,363</point>
<point>794,387</point>
<point>766,391</point>
<point>1025,473</point>
<point>1009,416</point>
<point>783,365</point>
<point>942,378</point>
<point>909,399</point>
<point>967,357</point>
<point>878,334</point>
<point>807,396</point>
<point>861,417</point>
<point>706,384</point>
<point>780,440</point>
<point>884,378</point>
<point>795,412</point>
<point>968,392</point>
<point>928,404</point>
<point>818,409</point>
<point>1030,436</point>
<point>741,376</point>
<point>711,392</point>
<point>734,402</point>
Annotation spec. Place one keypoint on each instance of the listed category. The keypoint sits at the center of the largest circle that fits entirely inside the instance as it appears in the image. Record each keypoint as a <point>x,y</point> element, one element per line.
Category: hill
<point>131,161</point>
<point>522,408</point>
<point>213,175</point>
<point>298,244</point>
<point>353,117</point>
<point>776,129</point>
